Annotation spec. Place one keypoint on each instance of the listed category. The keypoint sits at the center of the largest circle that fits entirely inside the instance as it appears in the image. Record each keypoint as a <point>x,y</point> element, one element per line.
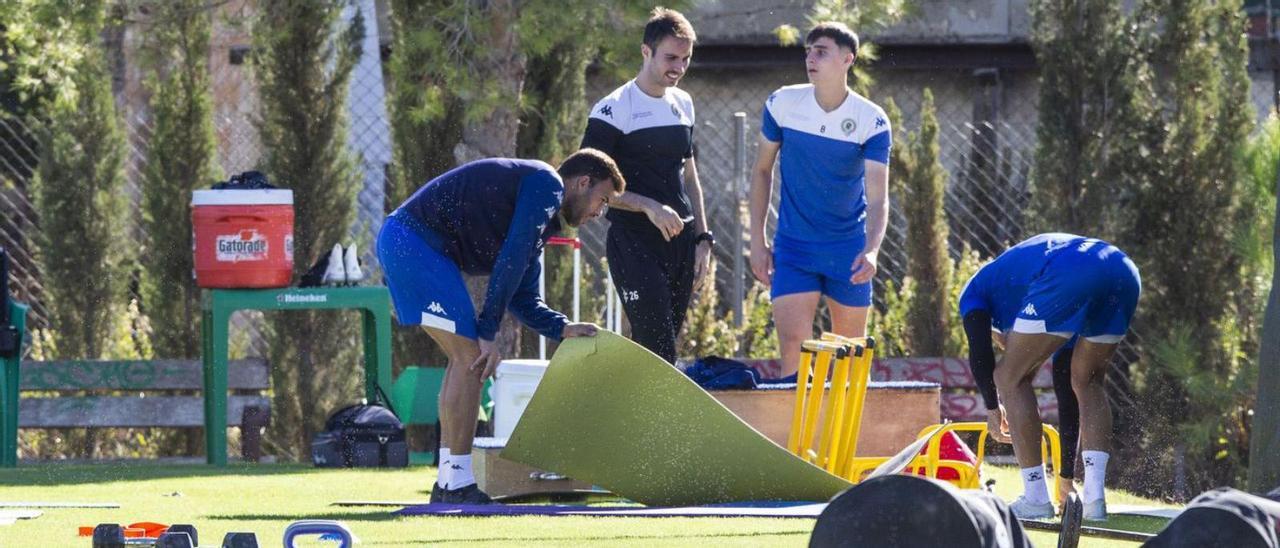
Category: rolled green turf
<point>611,413</point>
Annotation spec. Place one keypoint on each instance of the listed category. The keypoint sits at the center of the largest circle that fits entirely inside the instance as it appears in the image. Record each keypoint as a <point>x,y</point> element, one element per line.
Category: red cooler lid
<point>265,196</point>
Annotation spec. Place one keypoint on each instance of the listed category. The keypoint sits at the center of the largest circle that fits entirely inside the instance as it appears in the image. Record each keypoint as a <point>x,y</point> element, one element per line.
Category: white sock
<point>442,473</point>
<point>1095,474</point>
<point>460,472</point>
<point>1034,488</point>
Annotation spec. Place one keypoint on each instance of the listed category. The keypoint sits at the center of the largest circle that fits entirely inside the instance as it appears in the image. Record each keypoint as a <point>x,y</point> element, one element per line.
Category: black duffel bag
<point>361,435</point>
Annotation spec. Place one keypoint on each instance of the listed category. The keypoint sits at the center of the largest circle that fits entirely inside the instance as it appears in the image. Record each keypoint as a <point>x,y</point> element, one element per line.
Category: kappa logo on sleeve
<point>435,308</point>
<point>1030,310</point>
<point>606,110</point>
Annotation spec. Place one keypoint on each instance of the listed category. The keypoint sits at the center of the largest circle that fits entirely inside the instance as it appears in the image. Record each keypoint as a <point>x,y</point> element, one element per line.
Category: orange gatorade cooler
<point>242,238</point>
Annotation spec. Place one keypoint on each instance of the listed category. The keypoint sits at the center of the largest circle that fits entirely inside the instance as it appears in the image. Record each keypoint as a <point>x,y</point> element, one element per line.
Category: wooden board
<point>499,477</point>
<point>960,398</point>
<point>248,374</point>
<point>891,417</point>
<point>127,412</point>
<point>948,372</point>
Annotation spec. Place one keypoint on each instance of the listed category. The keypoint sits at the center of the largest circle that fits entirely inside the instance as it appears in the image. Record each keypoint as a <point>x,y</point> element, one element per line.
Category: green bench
<point>141,394</point>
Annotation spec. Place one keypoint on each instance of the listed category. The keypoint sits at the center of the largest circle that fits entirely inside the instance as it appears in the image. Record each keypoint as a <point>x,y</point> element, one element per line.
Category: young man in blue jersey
<point>834,148</point>
<point>486,217</point>
<point>1039,295</point>
<point>658,246</point>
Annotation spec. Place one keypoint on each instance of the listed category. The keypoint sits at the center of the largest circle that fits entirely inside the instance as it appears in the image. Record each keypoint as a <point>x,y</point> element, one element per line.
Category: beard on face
<point>571,211</point>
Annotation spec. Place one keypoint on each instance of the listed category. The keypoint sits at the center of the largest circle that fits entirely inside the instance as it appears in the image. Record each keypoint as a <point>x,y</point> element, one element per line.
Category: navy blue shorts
<point>426,286</point>
<point>825,267</point>
<point>1091,291</point>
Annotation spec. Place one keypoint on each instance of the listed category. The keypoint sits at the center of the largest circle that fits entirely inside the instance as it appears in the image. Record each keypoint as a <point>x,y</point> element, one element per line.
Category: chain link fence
<point>987,143</point>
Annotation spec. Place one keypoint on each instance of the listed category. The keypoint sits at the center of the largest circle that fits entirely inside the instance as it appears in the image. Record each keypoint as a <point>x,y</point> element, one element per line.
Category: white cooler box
<point>514,383</point>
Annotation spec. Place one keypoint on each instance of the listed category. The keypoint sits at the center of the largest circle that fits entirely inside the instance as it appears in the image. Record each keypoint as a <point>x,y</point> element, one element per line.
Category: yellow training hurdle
<point>848,364</point>
<point>851,360</point>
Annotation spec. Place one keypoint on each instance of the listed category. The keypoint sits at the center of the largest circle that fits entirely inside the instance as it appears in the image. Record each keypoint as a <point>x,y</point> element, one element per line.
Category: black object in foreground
<point>108,535</point>
<point>1072,516</point>
<point>904,510</point>
<point>240,540</point>
<point>1223,517</point>
<point>187,528</point>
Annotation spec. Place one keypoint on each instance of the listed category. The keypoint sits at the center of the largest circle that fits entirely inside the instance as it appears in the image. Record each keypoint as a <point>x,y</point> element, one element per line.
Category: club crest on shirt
<point>847,126</point>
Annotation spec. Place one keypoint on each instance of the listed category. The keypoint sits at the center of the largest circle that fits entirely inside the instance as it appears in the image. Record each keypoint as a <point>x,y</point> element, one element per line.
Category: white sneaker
<point>1096,510</point>
<point>351,264</point>
<point>334,274</point>
<point>1024,509</point>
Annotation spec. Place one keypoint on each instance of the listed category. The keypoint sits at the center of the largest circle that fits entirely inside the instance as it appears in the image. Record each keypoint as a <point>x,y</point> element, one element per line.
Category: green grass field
<point>265,498</point>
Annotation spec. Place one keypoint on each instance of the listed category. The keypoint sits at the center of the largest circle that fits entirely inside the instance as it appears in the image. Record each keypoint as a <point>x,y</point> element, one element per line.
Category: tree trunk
<point>1264,448</point>
<point>503,69</point>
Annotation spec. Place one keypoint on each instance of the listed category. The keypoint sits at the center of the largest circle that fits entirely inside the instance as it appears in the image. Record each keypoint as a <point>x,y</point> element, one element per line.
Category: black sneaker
<point>470,494</point>
<point>437,493</point>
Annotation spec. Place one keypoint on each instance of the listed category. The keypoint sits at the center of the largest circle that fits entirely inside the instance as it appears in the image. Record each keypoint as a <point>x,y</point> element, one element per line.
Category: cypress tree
<point>180,159</point>
<point>79,195</point>
<point>1190,375</point>
<point>923,185</point>
<point>1087,141</point>
<point>304,66</point>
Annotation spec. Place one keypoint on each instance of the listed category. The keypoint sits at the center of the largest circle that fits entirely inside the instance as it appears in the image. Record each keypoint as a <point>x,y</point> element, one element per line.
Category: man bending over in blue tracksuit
<point>486,217</point>
<point>1039,294</point>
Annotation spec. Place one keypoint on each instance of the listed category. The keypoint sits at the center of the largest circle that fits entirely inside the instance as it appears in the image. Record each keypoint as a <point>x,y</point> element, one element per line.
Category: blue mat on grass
<point>739,510</point>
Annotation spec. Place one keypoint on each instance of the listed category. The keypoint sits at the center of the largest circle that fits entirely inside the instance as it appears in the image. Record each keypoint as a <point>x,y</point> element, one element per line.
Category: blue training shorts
<point>1090,290</point>
<point>426,286</point>
<point>825,267</point>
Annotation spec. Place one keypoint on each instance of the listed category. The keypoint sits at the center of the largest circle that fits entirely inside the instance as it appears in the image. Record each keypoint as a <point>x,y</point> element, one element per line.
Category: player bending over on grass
<point>834,148</point>
<point>1042,293</point>
<point>486,217</point>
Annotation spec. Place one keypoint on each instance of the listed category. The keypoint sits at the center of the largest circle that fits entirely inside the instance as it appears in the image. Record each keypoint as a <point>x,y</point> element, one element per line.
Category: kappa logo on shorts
<point>1054,245</point>
<point>630,296</point>
<point>435,307</point>
<point>1030,310</point>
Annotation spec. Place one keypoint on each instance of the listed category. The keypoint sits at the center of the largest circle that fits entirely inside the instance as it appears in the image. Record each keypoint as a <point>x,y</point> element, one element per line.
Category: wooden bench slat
<point>247,374</point>
<point>127,412</point>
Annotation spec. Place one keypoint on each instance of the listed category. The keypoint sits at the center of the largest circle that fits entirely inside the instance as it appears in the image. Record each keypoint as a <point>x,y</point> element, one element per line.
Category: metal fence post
<point>739,183</point>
